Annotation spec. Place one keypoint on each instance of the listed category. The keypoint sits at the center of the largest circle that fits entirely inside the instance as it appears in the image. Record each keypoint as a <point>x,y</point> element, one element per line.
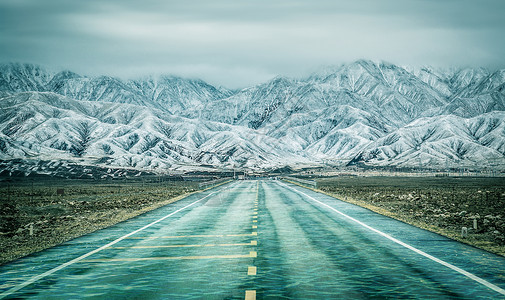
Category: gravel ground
<point>80,208</point>
<point>444,205</point>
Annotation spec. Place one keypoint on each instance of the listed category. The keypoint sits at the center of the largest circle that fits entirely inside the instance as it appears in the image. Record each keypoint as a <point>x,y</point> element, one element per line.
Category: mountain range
<point>371,113</point>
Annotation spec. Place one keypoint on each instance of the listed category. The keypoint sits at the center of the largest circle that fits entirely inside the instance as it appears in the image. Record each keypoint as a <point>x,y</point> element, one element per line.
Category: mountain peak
<point>19,77</point>
<point>20,67</point>
<point>64,75</point>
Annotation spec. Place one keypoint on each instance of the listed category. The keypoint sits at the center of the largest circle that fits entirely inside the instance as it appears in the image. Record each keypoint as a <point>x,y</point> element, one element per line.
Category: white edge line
<point>73,261</point>
<point>420,252</point>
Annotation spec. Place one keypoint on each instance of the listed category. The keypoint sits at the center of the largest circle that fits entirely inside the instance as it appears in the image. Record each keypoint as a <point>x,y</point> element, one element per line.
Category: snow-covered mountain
<point>455,141</point>
<point>374,113</point>
<point>169,93</point>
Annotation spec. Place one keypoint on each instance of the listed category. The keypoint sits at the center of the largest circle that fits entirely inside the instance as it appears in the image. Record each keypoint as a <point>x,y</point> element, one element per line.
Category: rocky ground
<point>58,210</point>
<point>441,204</point>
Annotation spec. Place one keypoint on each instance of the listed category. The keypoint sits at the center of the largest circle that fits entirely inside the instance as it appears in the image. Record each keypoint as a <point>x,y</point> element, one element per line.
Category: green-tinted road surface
<point>257,240</point>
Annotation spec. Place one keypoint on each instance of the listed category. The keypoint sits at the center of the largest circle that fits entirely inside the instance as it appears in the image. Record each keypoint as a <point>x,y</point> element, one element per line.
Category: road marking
<point>420,252</point>
<point>253,254</point>
<point>134,259</point>
<point>186,236</point>
<point>73,261</point>
<point>250,295</point>
<point>251,271</point>
<point>252,243</point>
<point>257,192</point>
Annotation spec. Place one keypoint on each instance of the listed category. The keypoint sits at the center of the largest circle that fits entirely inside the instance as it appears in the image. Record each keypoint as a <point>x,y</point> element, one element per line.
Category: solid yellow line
<point>134,259</point>
<point>254,226</point>
<point>255,221</point>
<point>183,246</point>
<point>250,295</point>
<point>251,271</point>
<point>186,236</point>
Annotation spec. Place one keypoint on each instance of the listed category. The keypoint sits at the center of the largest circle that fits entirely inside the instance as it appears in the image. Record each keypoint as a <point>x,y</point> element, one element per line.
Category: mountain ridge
<point>375,113</point>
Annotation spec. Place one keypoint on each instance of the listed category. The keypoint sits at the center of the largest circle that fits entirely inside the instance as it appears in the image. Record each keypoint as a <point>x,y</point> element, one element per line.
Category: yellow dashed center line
<point>250,295</point>
<point>251,271</point>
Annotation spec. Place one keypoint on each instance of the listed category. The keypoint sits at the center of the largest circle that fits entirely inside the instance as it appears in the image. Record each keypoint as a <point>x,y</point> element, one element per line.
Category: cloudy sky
<point>238,43</point>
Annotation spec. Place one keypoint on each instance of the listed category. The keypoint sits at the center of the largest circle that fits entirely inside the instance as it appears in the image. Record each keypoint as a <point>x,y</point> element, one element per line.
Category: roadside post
<point>464,232</point>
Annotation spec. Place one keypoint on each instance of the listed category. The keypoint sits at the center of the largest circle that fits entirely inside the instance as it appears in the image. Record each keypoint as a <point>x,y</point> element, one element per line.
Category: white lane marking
<point>73,261</point>
<point>451,266</point>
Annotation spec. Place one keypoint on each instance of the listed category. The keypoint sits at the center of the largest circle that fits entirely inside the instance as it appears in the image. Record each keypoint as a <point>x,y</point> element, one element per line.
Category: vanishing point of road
<point>263,239</point>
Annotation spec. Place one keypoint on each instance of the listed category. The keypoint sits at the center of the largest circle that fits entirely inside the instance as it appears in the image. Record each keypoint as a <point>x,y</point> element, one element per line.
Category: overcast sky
<point>238,43</point>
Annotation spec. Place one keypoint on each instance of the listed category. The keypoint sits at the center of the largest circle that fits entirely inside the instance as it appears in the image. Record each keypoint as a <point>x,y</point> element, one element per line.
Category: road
<point>257,239</point>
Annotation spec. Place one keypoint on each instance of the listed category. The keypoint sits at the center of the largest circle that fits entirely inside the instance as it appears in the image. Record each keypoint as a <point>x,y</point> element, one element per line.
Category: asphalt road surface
<point>257,240</point>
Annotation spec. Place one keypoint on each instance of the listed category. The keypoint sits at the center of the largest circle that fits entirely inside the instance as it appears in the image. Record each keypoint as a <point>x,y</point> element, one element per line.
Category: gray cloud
<point>240,43</point>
